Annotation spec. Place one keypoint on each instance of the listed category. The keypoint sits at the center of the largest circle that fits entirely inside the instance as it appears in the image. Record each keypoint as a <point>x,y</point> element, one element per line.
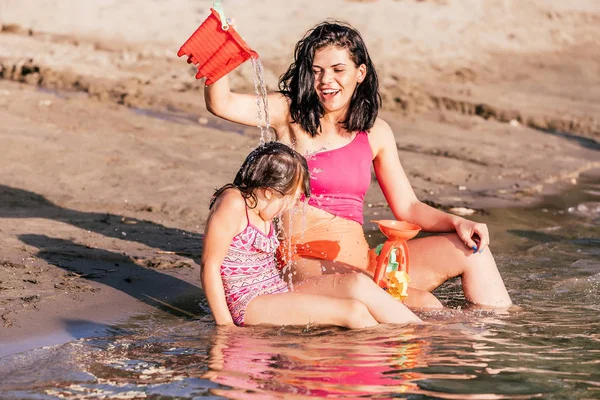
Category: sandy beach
<point>109,156</point>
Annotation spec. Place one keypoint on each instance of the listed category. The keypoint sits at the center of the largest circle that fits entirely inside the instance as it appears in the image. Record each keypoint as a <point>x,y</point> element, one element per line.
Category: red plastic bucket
<point>216,51</point>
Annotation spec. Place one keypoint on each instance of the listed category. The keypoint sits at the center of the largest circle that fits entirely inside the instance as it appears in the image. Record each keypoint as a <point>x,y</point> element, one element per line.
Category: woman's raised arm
<point>242,108</point>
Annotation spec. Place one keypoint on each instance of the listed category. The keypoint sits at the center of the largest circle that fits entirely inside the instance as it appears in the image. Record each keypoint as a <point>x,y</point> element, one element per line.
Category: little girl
<point>239,274</point>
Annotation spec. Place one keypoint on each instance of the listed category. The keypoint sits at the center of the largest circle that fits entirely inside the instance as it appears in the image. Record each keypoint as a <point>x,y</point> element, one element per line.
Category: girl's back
<point>248,269</point>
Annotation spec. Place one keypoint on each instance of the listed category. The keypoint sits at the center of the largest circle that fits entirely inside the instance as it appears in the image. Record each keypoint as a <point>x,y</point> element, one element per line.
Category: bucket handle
<point>219,9</point>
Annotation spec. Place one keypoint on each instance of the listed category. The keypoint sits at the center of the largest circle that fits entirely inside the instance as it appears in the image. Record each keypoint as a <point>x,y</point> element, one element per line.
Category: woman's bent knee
<point>422,299</point>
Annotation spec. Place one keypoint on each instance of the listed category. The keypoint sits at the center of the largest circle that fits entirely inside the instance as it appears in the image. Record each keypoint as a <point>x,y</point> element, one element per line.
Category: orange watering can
<point>215,47</point>
<point>389,260</point>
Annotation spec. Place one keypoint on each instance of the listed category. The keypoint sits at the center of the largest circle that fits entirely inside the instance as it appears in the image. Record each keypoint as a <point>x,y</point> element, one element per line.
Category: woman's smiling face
<point>336,77</point>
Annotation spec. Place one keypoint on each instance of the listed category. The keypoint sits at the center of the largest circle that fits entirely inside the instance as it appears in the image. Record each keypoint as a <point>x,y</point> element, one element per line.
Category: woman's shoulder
<point>380,127</point>
<point>280,101</point>
<point>380,134</point>
<point>279,109</point>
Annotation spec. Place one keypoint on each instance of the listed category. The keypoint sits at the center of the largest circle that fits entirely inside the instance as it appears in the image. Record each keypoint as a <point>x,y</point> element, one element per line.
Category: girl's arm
<point>242,108</point>
<point>224,222</point>
<point>402,199</point>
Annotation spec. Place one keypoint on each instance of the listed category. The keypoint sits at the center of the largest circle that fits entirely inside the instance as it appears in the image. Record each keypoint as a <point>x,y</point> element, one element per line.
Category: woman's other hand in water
<point>474,235</point>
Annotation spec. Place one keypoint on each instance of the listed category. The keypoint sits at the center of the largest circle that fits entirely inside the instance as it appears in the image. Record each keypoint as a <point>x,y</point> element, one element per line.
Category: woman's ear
<point>362,73</point>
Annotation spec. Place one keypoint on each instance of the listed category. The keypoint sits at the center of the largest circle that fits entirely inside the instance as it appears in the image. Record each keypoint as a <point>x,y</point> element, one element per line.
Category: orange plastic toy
<point>215,47</point>
<point>391,264</point>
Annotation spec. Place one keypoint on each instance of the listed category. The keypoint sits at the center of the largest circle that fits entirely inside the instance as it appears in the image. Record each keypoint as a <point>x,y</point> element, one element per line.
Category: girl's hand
<point>475,235</point>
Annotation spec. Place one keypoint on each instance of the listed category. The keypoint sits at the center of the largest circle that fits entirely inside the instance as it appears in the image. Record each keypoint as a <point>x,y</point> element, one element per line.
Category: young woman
<point>327,110</point>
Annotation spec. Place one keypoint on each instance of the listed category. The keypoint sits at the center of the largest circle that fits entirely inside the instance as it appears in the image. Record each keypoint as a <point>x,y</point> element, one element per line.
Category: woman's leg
<point>421,300</point>
<point>304,268</point>
<point>359,287</point>
<point>435,259</point>
<point>304,308</point>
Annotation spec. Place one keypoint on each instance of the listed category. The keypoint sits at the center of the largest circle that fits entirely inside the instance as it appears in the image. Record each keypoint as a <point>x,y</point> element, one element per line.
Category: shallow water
<point>548,348</point>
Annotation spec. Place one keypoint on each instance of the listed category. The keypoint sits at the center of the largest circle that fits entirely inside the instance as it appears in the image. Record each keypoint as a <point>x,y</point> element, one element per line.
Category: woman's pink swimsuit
<point>249,270</point>
<point>340,178</point>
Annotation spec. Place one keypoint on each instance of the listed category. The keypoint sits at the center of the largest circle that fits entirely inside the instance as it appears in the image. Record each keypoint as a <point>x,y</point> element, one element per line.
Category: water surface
<point>549,347</point>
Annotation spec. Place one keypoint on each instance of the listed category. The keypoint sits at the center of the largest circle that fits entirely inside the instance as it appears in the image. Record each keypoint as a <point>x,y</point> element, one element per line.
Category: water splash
<point>262,102</point>
<point>288,270</point>
<point>304,212</point>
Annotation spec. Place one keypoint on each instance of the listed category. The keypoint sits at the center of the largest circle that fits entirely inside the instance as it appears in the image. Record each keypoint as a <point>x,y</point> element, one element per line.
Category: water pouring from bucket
<point>389,260</point>
<point>216,48</point>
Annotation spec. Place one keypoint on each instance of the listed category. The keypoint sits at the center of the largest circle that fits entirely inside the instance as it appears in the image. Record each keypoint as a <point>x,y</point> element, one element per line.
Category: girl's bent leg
<point>305,308</point>
<point>360,287</point>
<point>435,259</point>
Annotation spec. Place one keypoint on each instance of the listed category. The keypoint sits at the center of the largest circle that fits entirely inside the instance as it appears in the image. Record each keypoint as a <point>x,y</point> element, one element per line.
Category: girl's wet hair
<point>274,166</point>
<point>298,83</point>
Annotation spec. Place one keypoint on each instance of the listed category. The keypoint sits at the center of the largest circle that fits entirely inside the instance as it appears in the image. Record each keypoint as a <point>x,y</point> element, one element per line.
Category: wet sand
<point>109,157</point>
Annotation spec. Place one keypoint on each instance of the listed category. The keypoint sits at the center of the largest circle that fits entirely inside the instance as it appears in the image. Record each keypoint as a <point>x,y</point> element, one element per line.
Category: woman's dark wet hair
<point>298,83</point>
<point>272,165</point>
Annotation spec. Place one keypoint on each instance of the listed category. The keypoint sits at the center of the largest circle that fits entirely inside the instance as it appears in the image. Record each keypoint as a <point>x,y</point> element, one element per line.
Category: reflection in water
<point>322,363</point>
<point>548,347</point>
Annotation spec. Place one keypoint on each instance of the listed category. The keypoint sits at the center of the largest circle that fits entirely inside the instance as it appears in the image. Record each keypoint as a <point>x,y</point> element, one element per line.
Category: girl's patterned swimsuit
<point>249,270</point>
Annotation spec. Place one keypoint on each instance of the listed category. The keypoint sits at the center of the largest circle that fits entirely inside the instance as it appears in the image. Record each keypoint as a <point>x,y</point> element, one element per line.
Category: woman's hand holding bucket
<point>216,48</point>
